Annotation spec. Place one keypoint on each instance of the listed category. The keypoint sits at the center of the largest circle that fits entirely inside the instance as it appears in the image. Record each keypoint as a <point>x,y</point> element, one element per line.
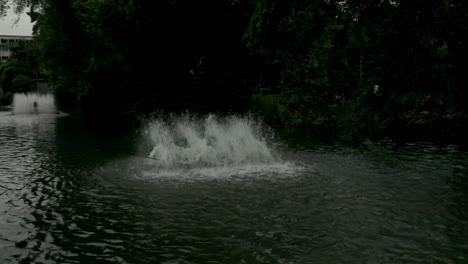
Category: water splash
<point>23,103</point>
<point>188,147</point>
<point>209,141</point>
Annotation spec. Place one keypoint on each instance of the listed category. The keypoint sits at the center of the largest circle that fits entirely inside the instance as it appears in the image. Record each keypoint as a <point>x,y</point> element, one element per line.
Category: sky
<point>8,25</point>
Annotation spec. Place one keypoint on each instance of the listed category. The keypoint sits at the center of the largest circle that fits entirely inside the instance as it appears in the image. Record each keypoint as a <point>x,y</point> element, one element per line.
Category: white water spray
<point>23,103</point>
<point>210,141</point>
<point>192,148</point>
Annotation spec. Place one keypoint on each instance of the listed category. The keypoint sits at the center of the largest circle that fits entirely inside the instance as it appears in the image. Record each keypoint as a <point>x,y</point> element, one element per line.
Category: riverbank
<point>353,122</point>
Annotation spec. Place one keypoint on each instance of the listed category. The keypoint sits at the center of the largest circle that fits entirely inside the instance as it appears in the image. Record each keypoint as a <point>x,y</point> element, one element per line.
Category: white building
<point>5,43</point>
<point>13,28</point>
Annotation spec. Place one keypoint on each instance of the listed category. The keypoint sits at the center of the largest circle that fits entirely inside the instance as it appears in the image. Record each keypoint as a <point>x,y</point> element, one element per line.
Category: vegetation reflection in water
<point>292,201</point>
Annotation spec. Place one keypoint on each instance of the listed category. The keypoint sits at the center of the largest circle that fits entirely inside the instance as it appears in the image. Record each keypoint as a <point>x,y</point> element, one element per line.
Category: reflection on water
<point>69,194</point>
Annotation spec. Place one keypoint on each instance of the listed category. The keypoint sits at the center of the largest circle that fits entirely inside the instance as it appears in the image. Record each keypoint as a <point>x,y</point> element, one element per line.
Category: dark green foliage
<point>330,56</point>
<point>6,99</point>
<point>137,56</point>
<point>354,68</point>
<point>20,72</point>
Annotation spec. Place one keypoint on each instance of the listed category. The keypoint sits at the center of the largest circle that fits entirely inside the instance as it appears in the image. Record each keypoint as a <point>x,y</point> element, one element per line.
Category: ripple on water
<point>319,204</point>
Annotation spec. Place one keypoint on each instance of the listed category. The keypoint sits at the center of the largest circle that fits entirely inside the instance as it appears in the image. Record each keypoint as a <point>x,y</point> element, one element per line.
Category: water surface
<point>223,190</point>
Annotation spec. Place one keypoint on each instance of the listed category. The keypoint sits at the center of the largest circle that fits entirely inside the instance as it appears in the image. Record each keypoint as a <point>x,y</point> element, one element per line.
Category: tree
<point>21,71</point>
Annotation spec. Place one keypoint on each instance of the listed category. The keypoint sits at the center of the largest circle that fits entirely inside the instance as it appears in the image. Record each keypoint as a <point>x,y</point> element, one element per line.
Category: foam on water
<point>242,172</point>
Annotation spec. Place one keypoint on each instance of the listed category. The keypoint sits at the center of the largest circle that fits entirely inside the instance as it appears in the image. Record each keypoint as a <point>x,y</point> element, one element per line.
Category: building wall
<point>6,41</point>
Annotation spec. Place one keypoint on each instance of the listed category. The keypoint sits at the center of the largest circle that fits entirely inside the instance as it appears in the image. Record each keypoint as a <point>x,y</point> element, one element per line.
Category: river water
<point>211,189</point>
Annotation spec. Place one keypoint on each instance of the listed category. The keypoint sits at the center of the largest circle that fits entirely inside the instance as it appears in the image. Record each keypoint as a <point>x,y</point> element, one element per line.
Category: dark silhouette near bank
<point>36,110</point>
